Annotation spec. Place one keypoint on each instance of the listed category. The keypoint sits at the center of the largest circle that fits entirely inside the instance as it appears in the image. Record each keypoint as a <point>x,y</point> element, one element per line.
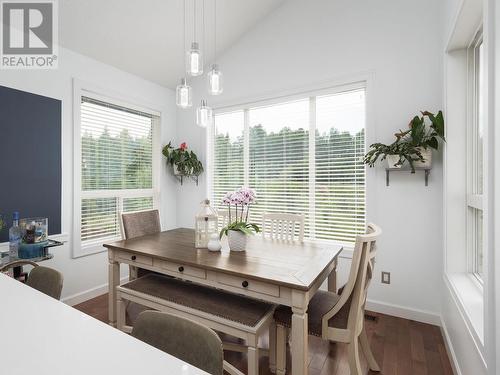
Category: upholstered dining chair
<point>183,338</point>
<point>283,226</point>
<point>339,317</point>
<point>136,224</point>
<point>44,279</point>
<point>140,223</point>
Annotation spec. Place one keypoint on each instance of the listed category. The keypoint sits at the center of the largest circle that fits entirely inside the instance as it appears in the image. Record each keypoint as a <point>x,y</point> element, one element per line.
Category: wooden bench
<point>233,314</point>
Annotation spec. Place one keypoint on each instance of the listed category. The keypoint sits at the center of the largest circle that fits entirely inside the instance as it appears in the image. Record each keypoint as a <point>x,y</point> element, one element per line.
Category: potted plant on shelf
<point>413,145</point>
<point>239,228</point>
<point>183,161</point>
<point>424,135</point>
<point>397,153</point>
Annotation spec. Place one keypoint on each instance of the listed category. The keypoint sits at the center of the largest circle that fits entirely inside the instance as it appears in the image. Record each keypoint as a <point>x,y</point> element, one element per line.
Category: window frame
<point>81,89</point>
<point>474,199</point>
<point>362,81</point>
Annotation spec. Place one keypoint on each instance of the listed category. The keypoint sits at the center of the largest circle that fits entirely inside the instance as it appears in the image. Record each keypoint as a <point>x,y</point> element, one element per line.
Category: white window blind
<point>116,166</point>
<point>227,157</point>
<point>279,158</point>
<point>301,156</point>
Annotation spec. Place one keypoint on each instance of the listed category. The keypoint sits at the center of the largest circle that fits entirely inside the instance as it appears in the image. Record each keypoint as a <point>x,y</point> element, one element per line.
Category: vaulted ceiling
<point>145,37</point>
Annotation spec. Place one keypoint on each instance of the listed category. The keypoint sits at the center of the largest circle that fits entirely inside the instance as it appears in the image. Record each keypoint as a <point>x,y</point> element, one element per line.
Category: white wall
<point>400,44</point>
<point>90,272</point>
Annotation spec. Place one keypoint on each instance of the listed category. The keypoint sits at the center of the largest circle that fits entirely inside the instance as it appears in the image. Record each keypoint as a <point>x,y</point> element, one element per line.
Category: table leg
<point>332,278</point>
<point>114,281</point>
<point>299,341</point>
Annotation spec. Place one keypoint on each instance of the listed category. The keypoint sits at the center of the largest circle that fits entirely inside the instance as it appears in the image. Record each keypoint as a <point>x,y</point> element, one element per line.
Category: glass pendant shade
<point>204,115</point>
<point>215,80</point>
<point>183,96</point>
<point>194,60</point>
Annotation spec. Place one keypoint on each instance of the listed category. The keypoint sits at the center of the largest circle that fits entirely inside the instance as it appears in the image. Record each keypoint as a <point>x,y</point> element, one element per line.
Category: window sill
<point>468,292</point>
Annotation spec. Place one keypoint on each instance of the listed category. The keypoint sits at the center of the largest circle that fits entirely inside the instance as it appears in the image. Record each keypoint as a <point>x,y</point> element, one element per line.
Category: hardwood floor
<point>401,347</point>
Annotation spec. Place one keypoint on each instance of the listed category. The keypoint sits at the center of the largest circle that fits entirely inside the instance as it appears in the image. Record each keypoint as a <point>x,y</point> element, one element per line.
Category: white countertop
<point>39,335</point>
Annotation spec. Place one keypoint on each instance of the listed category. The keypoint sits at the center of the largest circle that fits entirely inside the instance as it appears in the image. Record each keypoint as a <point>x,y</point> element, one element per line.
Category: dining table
<point>41,335</point>
<point>273,270</point>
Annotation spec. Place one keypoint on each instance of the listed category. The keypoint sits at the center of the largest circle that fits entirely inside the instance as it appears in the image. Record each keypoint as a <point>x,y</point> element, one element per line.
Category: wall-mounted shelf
<point>427,172</point>
<point>181,178</point>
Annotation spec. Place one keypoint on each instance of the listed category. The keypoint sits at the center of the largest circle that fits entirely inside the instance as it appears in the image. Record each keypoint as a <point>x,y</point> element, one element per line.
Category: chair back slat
<point>363,279</point>
<point>283,226</point>
<point>355,290</point>
<point>140,223</point>
<point>222,219</point>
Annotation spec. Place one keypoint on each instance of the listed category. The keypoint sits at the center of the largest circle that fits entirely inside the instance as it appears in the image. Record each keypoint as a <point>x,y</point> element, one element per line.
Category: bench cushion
<point>225,305</point>
<point>319,305</point>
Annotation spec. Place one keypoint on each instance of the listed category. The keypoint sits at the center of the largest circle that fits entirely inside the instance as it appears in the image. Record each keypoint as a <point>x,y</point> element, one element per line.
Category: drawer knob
<point>181,269</point>
<point>244,284</point>
<point>133,257</point>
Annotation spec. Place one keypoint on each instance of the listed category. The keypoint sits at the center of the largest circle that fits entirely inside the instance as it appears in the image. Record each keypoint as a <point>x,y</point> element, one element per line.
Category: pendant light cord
<point>184,31</point>
<point>215,31</point>
<point>194,19</point>
<point>203,26</point>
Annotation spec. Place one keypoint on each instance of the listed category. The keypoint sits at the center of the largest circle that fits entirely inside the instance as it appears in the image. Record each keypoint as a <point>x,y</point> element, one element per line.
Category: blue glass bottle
<point>14,236</point>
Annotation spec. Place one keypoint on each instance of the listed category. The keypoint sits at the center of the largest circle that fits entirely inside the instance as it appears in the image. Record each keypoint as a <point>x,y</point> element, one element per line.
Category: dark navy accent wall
<point>30,157</point>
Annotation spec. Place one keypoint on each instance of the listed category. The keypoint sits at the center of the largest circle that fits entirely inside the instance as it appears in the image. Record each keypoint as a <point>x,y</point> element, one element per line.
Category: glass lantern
<point>206,224</point>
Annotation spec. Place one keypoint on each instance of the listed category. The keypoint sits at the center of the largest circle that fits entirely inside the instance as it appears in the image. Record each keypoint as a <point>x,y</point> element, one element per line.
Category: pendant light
<point>215,80</point>
<point>183,96</point>
<point>204,115</point>
<point>183,92</point>
<point>194,61</point>
<point>215,75</point>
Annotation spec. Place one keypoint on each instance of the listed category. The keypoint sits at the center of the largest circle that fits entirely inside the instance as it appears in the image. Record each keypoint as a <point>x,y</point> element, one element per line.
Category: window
<point>475,158</point>
<point>301,155</point>
<point>117,173</point>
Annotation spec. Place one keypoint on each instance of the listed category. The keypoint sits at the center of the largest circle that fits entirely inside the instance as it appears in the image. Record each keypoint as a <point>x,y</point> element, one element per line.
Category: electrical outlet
<point>386,277</point>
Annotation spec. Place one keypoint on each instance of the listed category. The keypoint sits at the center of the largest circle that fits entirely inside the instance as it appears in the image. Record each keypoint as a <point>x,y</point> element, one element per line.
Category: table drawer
<point>182,269</point>
<point>135,259</point>
<point>249,284</point>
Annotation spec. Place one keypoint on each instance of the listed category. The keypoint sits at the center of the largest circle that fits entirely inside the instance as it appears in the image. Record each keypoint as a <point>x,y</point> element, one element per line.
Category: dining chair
<point>283,226</point>
<point>44,279</point>
<point>183,338</point>
<point>339,317</point>
<point>136,224</point>
<point>140,223</point>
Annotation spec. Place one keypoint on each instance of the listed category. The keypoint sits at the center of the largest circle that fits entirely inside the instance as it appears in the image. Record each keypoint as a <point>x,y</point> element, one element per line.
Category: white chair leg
<point>281,338</point>
<point>353,354</point>
<point>367,351</point>
<point>253,361</point>
<point>272,347</point>
<point>120,313</point>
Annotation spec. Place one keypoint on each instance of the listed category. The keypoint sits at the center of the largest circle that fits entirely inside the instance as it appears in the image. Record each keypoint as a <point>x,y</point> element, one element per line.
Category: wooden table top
<point>277,262</point>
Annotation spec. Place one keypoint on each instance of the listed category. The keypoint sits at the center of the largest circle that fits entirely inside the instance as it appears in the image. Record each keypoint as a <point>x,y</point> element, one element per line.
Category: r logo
<point>27,28</point>
<point>29,34</point>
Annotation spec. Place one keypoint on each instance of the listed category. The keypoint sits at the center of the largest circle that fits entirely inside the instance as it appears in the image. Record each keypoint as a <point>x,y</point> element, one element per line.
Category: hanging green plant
<point>413,145</point>
<point>183,161</point>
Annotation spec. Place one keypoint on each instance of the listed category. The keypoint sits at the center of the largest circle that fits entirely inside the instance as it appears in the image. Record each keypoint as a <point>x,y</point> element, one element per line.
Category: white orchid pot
<point>392,160</point>
<point>427,155</point>
<point>237,240</point>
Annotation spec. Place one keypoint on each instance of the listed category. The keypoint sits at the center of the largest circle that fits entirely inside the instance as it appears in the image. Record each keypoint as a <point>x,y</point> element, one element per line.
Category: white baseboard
<point>77,298</point>
<point>449,349</point>
<point>404,312</point>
